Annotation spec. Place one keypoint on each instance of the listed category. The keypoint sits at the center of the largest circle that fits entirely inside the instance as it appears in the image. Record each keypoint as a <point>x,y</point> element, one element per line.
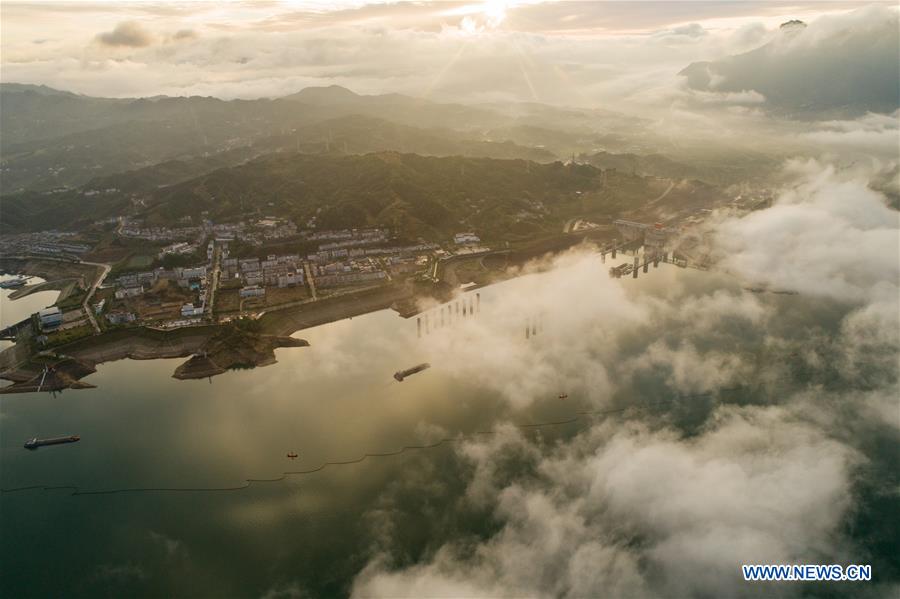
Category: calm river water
<point>141,429</point>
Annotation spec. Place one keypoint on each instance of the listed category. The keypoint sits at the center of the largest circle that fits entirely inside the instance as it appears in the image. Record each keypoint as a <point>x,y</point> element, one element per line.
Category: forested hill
<point>416,195</point>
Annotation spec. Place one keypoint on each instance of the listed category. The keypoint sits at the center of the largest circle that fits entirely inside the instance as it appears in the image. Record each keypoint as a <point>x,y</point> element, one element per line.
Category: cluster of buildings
<point>265,229</point>
<point>365,237</point>
<point>344,257</point>
<point>467,238</point>
<point>179,248</point>
<point>133,285</point>
<point>272,228</point>
<point>347,235</point>
<point>137,283</point>
<point>46,243</point>
<point>347,272</point>
<point>283,271</point>
<point>96,192</point>
<point>324,255</point>
<point>133,231</point>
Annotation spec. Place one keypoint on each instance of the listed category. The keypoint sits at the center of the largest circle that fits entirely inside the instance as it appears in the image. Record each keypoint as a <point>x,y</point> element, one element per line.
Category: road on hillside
<point>87,309</point>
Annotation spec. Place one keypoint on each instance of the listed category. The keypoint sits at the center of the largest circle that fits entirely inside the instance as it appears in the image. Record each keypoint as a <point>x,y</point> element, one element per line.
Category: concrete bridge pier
<point>634,271</point>
<point>419,327</point>
<point>614,253</point>
<point>478,302</point>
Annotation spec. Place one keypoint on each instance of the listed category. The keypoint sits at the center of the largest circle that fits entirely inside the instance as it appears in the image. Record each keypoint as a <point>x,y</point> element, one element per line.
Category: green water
<point>141,429</point>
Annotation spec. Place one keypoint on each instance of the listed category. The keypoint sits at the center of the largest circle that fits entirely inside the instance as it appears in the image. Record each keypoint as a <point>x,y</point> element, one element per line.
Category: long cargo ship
<point>402,374</point>
<point>34,442</point>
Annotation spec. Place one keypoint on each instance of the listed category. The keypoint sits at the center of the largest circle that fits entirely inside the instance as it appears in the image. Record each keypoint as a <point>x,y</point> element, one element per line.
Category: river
<point>144,432</point>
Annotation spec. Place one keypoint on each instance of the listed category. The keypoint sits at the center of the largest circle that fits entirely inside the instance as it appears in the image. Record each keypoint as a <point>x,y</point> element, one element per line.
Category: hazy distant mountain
<point>655,165</point>
<point>808,71</point>
<point>35,89</point>
<point>417,112</point>
<point>358,134</point>
<point>58,139</point>
<point>332,94</point>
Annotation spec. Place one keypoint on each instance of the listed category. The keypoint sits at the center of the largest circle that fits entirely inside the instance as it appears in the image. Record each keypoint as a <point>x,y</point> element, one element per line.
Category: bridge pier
<point>634,271</point>
<point>419,327</point>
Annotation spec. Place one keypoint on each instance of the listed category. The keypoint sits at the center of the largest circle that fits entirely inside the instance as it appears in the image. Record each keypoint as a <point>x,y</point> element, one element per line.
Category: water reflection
<point>334,401</point>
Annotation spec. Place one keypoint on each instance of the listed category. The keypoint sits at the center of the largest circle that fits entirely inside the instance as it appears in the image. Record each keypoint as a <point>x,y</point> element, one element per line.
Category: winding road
<point>87,298</point>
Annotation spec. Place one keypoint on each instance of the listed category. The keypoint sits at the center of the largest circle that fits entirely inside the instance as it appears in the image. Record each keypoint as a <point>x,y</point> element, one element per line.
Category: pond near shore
<point>12,311</point>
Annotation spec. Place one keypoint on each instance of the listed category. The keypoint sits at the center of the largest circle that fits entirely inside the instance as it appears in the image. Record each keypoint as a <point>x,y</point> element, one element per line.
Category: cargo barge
<point>402,374</point>
<point>34,442</point>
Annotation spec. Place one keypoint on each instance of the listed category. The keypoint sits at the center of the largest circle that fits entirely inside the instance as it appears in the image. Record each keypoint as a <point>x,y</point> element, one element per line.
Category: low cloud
<point>654,503</point>
<point>827,235</point>
<point>874,134</point>
<point>796,71</point>
<point>638,513</point>
<point>184,34</point>
<point>128,34</point>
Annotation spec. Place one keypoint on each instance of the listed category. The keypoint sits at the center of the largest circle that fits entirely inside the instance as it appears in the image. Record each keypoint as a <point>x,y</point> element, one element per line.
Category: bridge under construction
<point>650,244</point>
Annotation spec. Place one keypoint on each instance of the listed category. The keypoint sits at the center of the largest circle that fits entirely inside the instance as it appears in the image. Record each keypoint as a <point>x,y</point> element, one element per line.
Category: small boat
<point>34,442</point>
<point>402,374</point>
<point>292,455</point>
<point>13,283</point>
<point>563,395</point>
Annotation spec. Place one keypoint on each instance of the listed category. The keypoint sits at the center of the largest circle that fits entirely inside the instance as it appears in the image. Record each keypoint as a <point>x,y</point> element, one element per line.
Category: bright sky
<point>562,52</point>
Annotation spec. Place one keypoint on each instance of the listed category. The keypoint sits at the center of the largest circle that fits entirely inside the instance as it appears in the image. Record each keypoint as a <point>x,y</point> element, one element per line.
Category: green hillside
<point>415,195</point>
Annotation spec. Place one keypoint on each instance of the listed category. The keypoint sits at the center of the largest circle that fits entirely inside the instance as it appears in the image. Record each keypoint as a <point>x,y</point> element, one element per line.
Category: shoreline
<point>217,348</point>
<point>213,349</point>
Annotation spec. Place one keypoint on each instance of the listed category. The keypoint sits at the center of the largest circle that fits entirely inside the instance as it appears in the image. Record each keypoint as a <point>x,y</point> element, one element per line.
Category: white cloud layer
<point>591,54</point>
<point>648,504</point>
<point>639,513</point>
